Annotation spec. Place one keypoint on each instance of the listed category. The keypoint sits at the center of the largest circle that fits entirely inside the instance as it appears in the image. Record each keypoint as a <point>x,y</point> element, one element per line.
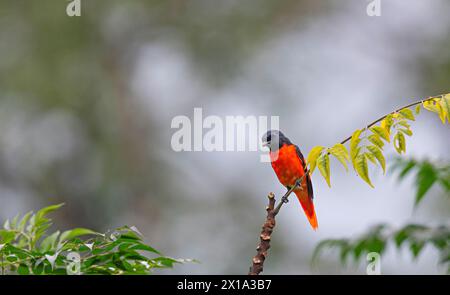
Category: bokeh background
<point>86,105</point>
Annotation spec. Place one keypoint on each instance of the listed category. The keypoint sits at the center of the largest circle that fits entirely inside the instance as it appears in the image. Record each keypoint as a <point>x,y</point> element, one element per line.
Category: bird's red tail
<point>308,207</point>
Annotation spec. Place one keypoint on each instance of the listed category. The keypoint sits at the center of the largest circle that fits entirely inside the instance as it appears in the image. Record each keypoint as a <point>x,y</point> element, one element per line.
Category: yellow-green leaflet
<point>441,112</point>
<point>400,142</point>
<point>376,140</point>
<point>371,158</point>
<point>341,153</point>
<point>430,105</point>
<point>354,143</point>
<point>357,151</point>
<point>417,109</point>
<point>378,154</point>
<point>408,114</point>
<point>312,157</point>
<point>436,107</point>
<point>362,168</point>
<point>380,131</point>
<point>323,163</point>
<point>404,124</point>
<point>406,131</point>
<point>445,104</point>
<point>446,99</point>
<point>387,123</point>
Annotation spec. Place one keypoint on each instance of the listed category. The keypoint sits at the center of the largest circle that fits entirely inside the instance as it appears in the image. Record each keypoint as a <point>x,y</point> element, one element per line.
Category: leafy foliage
<point>413,236</point>
<point>426,175</point>
<point>26,247</point>
<point>367,144</point>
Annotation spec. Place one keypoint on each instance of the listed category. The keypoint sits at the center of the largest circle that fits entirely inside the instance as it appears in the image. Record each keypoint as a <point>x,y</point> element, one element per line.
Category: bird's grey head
<point>274,139</point>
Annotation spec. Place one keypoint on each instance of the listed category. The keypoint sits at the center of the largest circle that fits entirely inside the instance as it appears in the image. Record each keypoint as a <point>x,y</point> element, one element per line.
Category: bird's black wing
<point>308,177</point>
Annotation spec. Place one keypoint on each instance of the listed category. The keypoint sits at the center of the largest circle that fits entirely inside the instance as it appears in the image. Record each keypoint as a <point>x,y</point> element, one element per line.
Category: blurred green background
<point>86,105</point>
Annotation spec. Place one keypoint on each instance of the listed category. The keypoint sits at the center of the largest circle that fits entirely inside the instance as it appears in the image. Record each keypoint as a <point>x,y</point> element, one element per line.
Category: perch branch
<point>391,113</point>
<point>268,226</point>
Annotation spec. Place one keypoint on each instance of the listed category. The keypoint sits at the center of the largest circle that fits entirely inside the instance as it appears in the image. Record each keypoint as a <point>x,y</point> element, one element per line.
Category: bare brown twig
<point>268,226</point>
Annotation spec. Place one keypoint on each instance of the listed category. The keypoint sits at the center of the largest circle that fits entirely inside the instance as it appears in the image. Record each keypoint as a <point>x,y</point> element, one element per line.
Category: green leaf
<point>312,157</point>
<point>376,140</point>
<point>323,163</point>
<point>435,106</point>
<point>404,124</point>
<point>400,142</point>
<point>45,211</point>
<point>20,253</point>
<point>357,152</point>
<point>430,105</point>
<point>341,153</point>
<point>14,221</point>
<point>445,104</point>
<point>416,247</point>
<point>23,269</point>
<point>406,131</point>
<point>378,154</point>
<point>359,249</point>
<point>387,123</point>
<point>362,168</point>
<point>425,179</point>
<point>24,220</point>
<point>144,247</point>
<point>49,243</point>
<point>418,109</point>
<point>375,244</point>
<point>381,132</point>
<point>130,235</point>
<point>355,140</point>
<point>166,261</point>
<point>441,112</point>
<point>371,158</point>
<point>7,236</point>
<point>76,232</point>
<point>400,237</point>
<point>407,168</point>
<point>407,113</point>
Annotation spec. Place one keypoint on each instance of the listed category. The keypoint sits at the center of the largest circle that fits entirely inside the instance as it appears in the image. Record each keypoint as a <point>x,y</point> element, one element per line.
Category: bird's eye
<point>269,138</point>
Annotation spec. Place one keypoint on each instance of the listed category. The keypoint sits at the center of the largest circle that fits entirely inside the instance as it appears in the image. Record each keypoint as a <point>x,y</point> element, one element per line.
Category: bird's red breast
<point>288,164</point>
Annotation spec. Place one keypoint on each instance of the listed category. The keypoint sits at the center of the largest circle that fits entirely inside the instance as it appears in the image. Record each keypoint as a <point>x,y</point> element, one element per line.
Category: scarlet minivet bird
<point>289,166</point>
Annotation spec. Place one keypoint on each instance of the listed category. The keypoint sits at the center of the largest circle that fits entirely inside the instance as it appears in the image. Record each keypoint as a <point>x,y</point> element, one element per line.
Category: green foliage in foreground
<point>413,236</point>
<point>26,247</point>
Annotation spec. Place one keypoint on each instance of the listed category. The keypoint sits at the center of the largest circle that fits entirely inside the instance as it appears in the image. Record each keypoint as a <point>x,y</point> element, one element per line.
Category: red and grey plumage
<point>289,165</point>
